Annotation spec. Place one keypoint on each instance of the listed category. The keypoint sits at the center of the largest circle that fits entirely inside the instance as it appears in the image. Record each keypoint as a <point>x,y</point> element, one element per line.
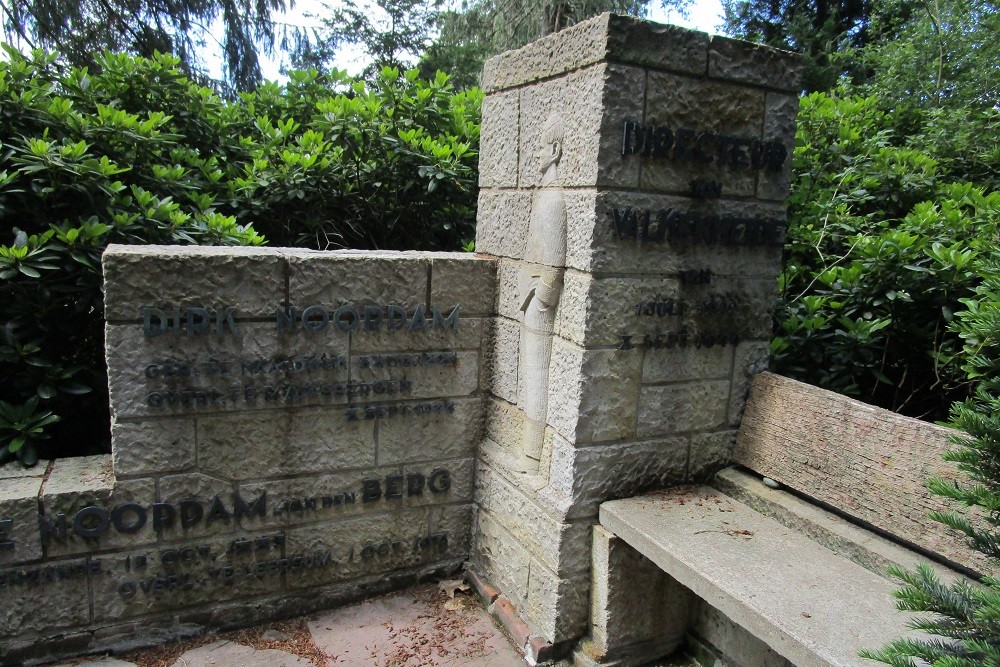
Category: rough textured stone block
<point>679,102</point>
<point>47,596</point>
<point>463,279</point>
<point>710,452</point>
<point>460,378</point>
<point>203,488</point>
<point>152,447</point>
<point>471,332</point>
<point>752,357</point>
<point>593,393</point>
<point>506,343</point>
<point>692,406</point>
<point>499,143</point>
<point>200,576</point>
<point>600,310</point>
<point>341,495</point>
<point>756,64</point>
<point>509,297</point>
<point>637,612</point>
<point>74,484</point>
<point>502,222</point>
<point>779,125</point>
<point>169,375</point>
<point>608,36</point>
<point>266,443</point>
<point>332,279</point>
<point>573,48</point>
<point>19,505</point>
<point>377,543</point>
<point>576,100</point>
<point>593,245</point>
<point>504,425</point>
<point>561,546</point>
<point>249,280</point>
<point>556,606</point>
<point>733,644</point>
<point>450,434</point>
<point>687,363</point>
<point>587,476</point>
<point>501,559</point>
<point>623,97</point>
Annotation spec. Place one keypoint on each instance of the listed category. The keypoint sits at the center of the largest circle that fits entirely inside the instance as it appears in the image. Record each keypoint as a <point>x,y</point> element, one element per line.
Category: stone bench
<point>761,577</point>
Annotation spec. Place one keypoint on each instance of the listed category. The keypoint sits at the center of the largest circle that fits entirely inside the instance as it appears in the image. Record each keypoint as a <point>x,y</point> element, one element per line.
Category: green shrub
<point>881,250</point>
<point>136,153</point>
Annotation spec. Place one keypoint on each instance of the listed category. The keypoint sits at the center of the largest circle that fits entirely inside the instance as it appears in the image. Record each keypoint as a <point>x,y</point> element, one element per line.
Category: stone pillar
<point>668,178</point>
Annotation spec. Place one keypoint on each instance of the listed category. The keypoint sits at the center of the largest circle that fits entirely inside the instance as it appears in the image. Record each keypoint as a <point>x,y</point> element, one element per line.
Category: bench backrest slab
<point>865,461</point>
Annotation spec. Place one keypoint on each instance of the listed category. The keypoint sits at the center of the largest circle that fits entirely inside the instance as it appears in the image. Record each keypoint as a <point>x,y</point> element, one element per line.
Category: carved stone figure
<point>541,285</point>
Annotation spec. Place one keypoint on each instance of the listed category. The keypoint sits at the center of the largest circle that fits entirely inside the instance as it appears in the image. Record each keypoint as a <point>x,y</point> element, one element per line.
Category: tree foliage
<point>80,30</point>
<point>393,33</point>
<point>137,153</point>
<point>882,247</point>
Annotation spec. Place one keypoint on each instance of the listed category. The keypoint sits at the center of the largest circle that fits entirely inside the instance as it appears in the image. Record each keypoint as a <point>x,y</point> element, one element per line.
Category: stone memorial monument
<point>296,429</point>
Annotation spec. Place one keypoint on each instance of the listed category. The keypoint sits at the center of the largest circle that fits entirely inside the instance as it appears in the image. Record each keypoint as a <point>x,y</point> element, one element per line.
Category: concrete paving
<point>417,627</point>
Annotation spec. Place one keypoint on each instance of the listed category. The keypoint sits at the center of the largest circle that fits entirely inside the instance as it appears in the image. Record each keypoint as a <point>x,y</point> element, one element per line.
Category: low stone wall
<point>291,430</point>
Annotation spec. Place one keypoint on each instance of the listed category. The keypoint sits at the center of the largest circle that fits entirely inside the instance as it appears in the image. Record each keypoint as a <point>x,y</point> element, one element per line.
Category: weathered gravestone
<point>294,429</point>
<point>291,429</point>
<point>633,181</point>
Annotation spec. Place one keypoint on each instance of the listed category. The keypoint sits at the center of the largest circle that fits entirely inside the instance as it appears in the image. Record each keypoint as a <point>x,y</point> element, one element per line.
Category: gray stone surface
<point>431,437</point>
<point>268,443</point>
<point>498,146</point>
<point>76,483</point>
<point>37,599</point>
<point>592,244</point>
<point>677,408</point>
<point>752,357</point>
<point>14,470</point>
<point>583,477</point>
<point>637,612</point>
<point>615,38</point>
<point>597,393</point>
<point>336,278</point>
<point>807,604</point>
<point>416,628</point>
<point>499,556</point>
<point>844,538</point>
<point>745,62</point>
<point>506,341</point>
<point>688,363</point>
<point>250,280</point>
<point>560,545</point>
<point>502,222</point>
<point>709,453</point>
<point>779,124</point>
<point>134,359</point>
<point>576,100</point>
<point>681,102</point>
<point>556,606</point>
<point>732,644</point>
<point>152,447</point>
<point>231,654</point>
<point>463,279</point>
<point>19,505</point>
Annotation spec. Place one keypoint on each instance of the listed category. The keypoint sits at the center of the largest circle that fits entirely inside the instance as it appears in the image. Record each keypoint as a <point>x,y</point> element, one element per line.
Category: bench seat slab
<point>808,604</point>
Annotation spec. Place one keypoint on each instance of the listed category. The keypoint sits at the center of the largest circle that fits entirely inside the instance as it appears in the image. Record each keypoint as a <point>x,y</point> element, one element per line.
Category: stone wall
<point>673,167</point>
<point>291,429</point>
